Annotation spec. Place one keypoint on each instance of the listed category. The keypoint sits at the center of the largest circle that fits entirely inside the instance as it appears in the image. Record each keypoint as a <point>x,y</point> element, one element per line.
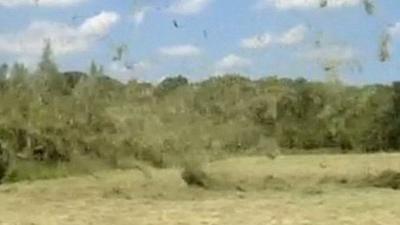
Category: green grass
<point>32,170</point>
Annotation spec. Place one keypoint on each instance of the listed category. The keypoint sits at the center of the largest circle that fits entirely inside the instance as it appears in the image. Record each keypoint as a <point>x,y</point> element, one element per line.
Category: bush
<point>5,162</point>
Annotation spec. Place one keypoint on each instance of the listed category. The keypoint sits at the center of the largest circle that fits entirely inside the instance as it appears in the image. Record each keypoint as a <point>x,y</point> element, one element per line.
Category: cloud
<point>333,58</point>
<point>188,7</point>
<point>120,71</point>
<point>180,50</point>
<point>336,54</point>
<point>99,25</point>
<point>46,3</point>
<point>293,36</point>
<point>64,38</point>
<point>395,30</point>
<point>305,4</point>
<point>232,63</point>
<point>140,14</point>
<point>256,42</point>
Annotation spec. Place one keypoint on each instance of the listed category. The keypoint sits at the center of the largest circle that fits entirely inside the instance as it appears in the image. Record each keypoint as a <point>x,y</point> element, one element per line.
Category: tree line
<point>52,116</point>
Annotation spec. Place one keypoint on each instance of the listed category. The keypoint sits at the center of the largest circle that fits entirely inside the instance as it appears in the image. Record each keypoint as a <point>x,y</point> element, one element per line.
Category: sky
<point>152,39</point>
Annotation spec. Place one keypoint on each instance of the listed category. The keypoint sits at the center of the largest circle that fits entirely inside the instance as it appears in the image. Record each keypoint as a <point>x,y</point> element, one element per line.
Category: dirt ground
<point>128,197</point>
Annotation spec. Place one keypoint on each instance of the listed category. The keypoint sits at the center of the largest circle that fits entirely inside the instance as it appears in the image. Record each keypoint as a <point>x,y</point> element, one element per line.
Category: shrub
<point>5,162</point>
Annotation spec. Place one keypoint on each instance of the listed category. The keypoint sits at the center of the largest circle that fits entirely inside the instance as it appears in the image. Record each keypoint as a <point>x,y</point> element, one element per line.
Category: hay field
<point>304,190</point>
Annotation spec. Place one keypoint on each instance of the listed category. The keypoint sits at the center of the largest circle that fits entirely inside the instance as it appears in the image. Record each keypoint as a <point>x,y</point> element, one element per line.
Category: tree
<point>3,72</point>
<point>172,83</point>
<point>47,64</point>
<point>51,81</point>
<point>395,116</point>
<point>95,70</point>
<point>3,75</point>
<point>18,75</point>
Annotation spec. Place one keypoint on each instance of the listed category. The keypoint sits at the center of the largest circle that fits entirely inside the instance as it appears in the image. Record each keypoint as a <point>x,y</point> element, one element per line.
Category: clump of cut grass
<point>386,179</point>
<point>333,180</point>
<point>275,183</point>
<point>153,156</point>
<point>117,192</point>
<point>384,47</point>
<point>268,147</point>
<point>194,175</point>
<point>132,164</point>
<point>323,3</point>
<point>369,7</point>
<point>313,190</point>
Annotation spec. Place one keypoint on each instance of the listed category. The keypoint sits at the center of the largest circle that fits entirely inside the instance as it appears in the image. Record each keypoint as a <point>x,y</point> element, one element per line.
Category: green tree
<point>18,75</point>
<point>3,72</point>
<point>47,64</point>
<point>50,80</point>
<point>170,84</point>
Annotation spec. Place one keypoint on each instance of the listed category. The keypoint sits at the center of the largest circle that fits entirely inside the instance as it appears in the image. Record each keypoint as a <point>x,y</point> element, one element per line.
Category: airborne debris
<point>120,51</point>
<point>317,43</point>
<point>319,39</point>
<point>331,66</point>
<point>77,17</point>
<point>328,68</point>
<point>369,6</point>
<point>205,34</point>
<point>384,48</point>
<point>323,3</point>
<point>128,66</point>
<point>175,22</point>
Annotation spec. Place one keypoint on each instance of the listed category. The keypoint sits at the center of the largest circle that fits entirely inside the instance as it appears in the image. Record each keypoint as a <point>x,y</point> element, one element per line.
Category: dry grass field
<point>290,190</point>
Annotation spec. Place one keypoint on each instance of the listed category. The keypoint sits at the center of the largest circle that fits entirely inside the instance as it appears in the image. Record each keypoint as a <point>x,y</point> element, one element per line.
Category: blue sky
<point>256,38</point>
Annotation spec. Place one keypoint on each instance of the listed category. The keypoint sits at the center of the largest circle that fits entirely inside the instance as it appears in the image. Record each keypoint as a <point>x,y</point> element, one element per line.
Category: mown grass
<point>300,174</point>
<point>287,190</point>
<point>33,170</point>
<point>303,171</point>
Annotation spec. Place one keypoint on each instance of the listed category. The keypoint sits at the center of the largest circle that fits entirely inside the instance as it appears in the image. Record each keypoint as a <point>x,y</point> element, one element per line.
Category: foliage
<point>48,117</point>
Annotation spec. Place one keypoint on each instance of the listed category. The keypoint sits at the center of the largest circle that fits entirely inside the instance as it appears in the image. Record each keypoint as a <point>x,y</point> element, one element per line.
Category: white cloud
<point>64,38</point>
<point>257,42</point>
<point>140,14</point>
<point>47,3</point>
<point>293,36</point>
<point>331,54</point>
<point>334,58</point>
<point>305,4</point>
<point>121,72</point>
<point>100,24</point>
<point>143,65</point>
<point>232,63</point>
<point>180,50</point>
<point>188,7</point>
<point>395,30</point>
